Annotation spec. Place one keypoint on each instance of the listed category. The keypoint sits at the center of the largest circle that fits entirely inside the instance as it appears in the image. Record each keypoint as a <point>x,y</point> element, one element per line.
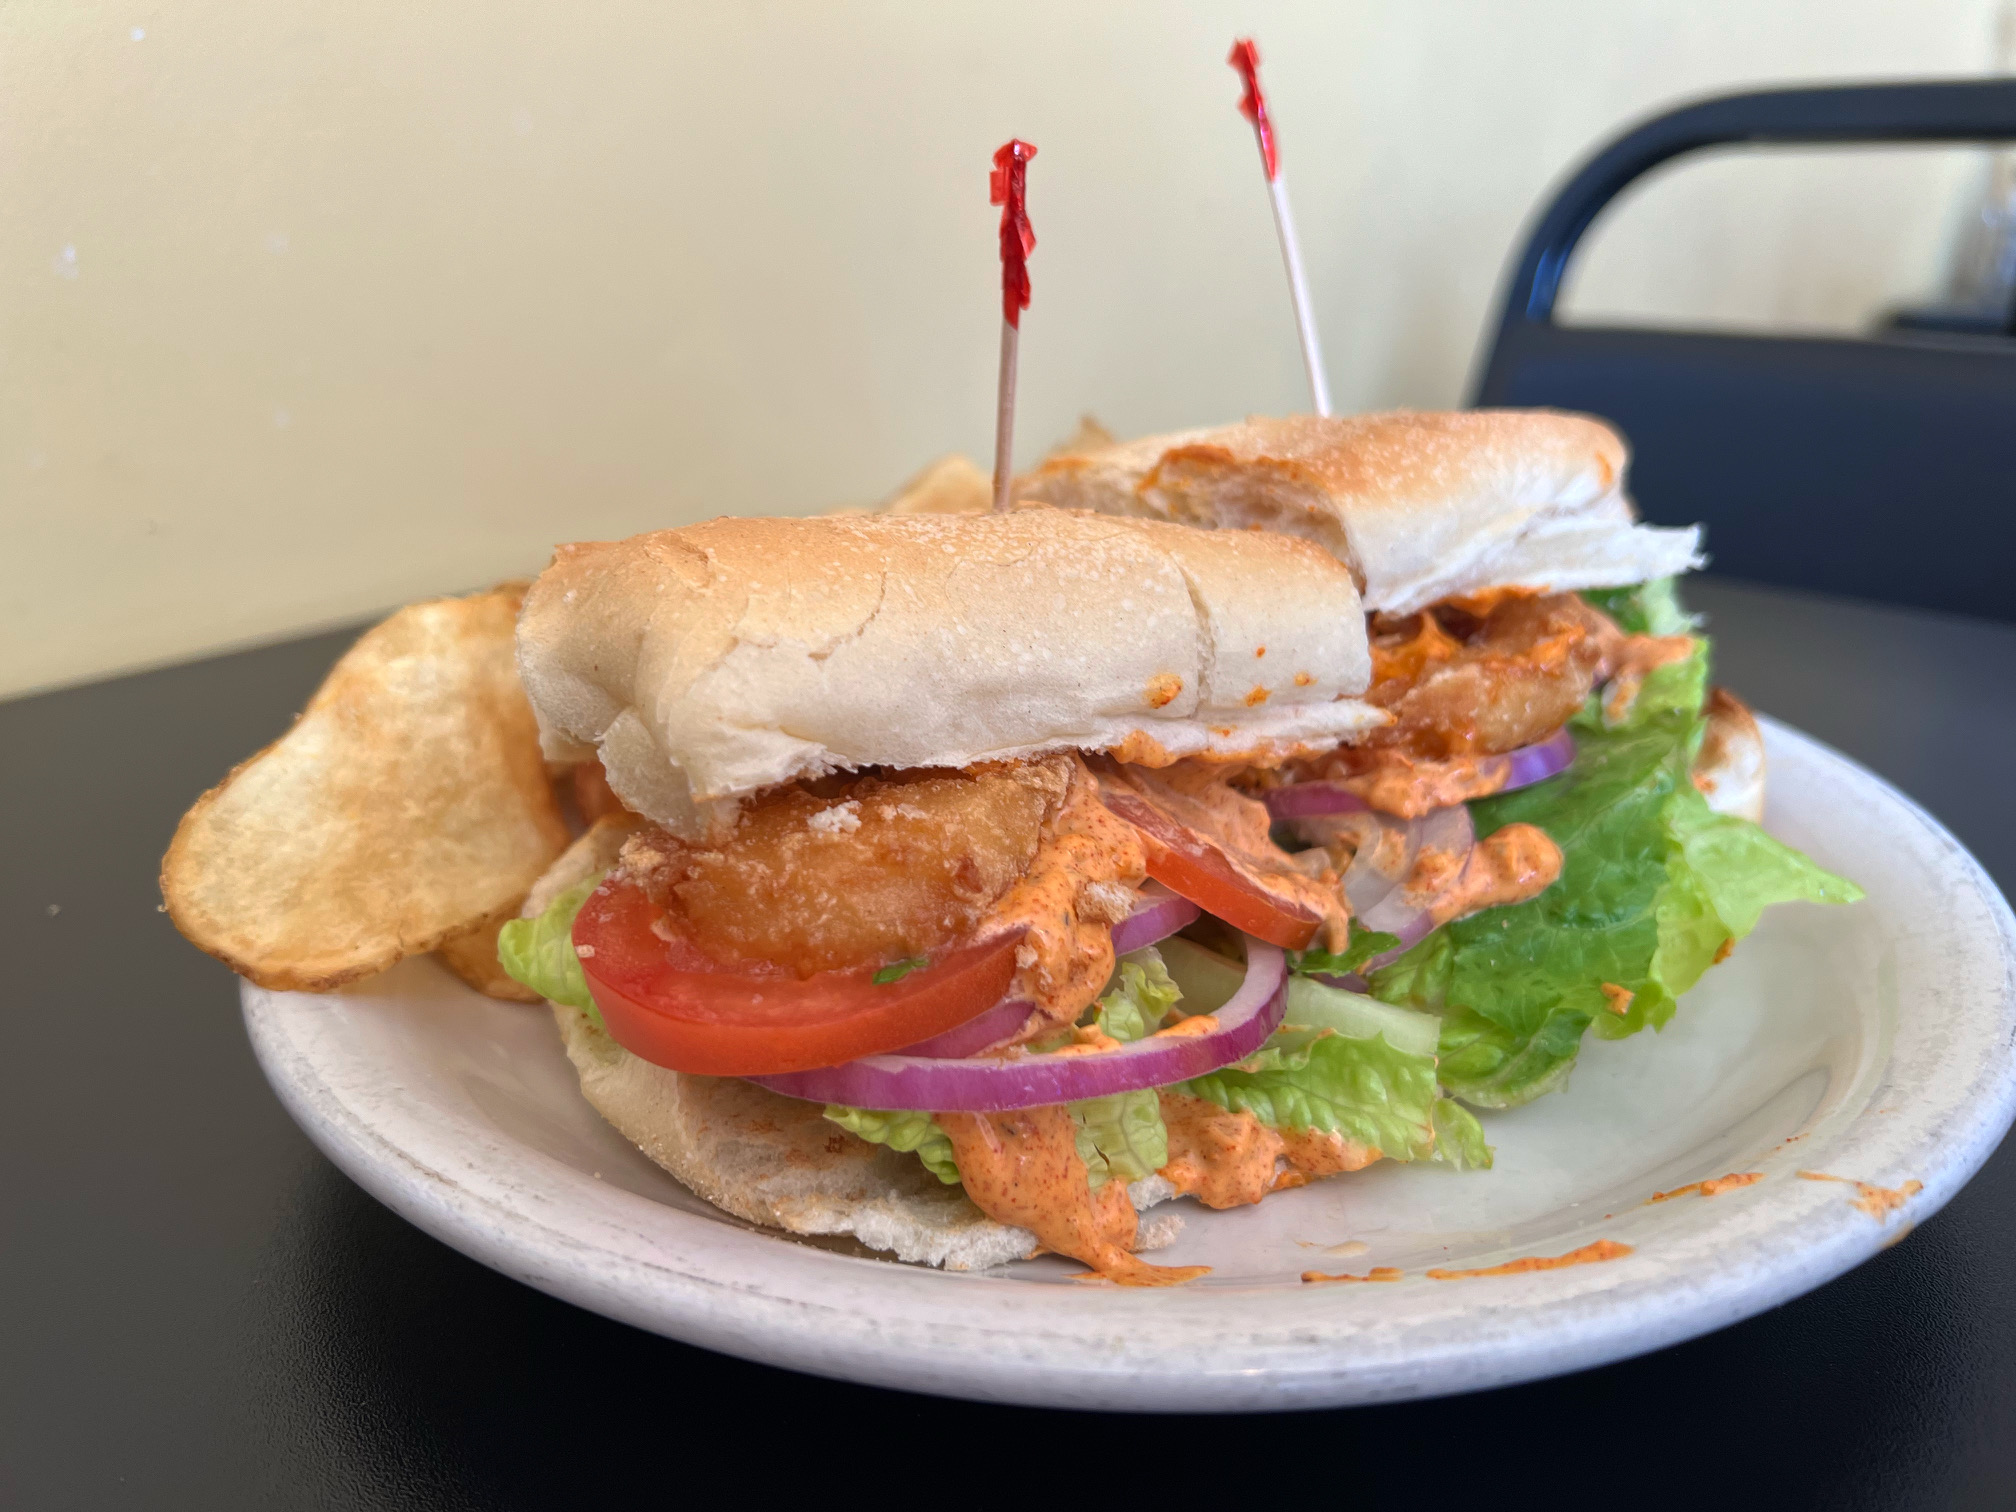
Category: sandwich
<point>967,885</point>
<point>937,906</point>
<point>1531,650</point>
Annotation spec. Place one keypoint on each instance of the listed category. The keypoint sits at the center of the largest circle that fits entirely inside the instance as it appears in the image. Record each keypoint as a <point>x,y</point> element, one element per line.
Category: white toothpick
<point>1246,58</point>
<point>1004,417</point>
<point>1298,286</point>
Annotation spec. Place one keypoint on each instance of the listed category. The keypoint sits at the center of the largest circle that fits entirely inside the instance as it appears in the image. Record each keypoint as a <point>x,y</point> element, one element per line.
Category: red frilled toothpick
<point>1008,187</point>
<point>1246,58</point>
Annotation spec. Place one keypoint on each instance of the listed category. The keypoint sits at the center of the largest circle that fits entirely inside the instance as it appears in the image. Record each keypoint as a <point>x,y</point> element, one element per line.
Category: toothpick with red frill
<point>1246,58</point>
<point>1008,187</point>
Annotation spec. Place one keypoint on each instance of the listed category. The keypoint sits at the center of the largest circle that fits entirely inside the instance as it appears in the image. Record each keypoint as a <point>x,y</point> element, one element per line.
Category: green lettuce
<point>1364,1089</point>
<point>540,952</point>
<point>1459,1138</point>
<point>1139,1000</point>
<point>1317,1005</point>
<point>1121,1136</point>
<point>1654,886</point>
<point>1365,944</point>
<point>909,1132</point>
<point>1652,608</point>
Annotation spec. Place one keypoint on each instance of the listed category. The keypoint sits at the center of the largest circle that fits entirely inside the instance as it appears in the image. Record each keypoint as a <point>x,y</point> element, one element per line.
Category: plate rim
<point>888,1324</point>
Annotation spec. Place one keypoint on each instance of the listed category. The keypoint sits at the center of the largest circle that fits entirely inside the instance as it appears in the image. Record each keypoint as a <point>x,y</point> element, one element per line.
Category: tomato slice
<point>1188,864</point>
<point>675,1008</point>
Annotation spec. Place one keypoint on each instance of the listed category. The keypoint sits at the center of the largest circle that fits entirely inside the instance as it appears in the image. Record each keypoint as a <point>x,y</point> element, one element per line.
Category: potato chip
<point>409,805</point>
<point>951,485</point>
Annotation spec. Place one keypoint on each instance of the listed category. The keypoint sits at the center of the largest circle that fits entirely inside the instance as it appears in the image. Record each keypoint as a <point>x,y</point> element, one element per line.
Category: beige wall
<point>306,309</point>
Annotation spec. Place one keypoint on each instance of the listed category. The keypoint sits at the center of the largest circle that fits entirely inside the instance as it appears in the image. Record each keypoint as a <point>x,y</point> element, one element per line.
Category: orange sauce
<point>1402,660</point>
<point>1079,886</point>
<point>1226,1159</point>
<point>1516,863</point>
<point>1022,1169</point>
<point>1395,782</point>
<point>1878,1202</point>
<point>1589,1254</point>
<point>1377,1273</point>
<point>1714,1188</point>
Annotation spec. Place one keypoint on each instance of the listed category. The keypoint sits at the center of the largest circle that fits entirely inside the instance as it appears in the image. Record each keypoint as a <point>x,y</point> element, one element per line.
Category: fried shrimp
<point>1482,676</point>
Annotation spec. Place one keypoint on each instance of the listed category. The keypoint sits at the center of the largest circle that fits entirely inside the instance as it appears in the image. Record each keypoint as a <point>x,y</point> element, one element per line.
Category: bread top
<point>1421,505</point>
<point>708,663</point>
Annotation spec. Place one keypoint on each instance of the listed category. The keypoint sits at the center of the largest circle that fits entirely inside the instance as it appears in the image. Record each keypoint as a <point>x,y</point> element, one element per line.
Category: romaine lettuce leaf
<point>909,1132</point>
<point>1652,608</point>
<point>1363,1089</point>
<point>1678,688</point>
<point>1317,1005</point>
<point>1121,1136</point>
<point>1459,1138</point>
<point>1364,944</point>
<point>1140,998</point>
<point>1653,887</point>
<point>540,952</point>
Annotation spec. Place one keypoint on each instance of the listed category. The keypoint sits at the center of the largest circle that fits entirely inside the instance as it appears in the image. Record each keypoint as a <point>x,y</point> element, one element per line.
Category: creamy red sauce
<point>1395,782</point>
<point>1878,1202</point>
<point>1377,1273</point>
<point>1509,866</point>
<point>1714,1188</point>
<point>1227,1159</point>
<point>1589,1254</point>
<point>1022,1169</point>
<point>1079,886</point>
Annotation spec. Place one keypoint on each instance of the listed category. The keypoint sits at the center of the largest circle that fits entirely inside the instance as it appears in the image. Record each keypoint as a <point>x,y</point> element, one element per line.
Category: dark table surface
<point>197,1310</point>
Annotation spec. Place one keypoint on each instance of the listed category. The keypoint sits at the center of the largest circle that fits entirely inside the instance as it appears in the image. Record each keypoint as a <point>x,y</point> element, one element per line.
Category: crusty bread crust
<point>707,663</point>
<point>1421,505</point>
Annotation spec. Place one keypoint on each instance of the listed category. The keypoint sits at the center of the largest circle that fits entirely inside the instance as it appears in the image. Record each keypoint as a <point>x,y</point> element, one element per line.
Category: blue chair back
<point>1881,466</point>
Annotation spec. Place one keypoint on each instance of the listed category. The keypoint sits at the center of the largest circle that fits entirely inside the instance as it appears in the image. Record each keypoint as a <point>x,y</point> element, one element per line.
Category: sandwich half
<point>1537,669</point>
<point>1422,505</point>
<point>931,897</point>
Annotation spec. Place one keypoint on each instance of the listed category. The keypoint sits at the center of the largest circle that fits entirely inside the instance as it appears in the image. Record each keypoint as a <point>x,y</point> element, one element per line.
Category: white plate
<point>1872,1043</point>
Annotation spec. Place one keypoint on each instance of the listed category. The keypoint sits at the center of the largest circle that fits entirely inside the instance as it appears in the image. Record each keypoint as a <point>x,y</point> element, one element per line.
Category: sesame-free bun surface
<point>710,662</point>
<point>1422,505</point>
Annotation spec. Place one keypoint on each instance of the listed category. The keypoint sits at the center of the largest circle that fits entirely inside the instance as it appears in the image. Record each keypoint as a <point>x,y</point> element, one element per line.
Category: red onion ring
<point>998,1084</point>
<point>1376,881</point>
<point>1389,905</point>
<point>1311,800</point>
<point>992,1026</point>
<point>1522,768</point>
<point>1536,763</point>
<point>1158,913</point>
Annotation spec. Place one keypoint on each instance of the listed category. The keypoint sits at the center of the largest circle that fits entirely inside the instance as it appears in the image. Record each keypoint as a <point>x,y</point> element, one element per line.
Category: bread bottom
<point>776,1161</point>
